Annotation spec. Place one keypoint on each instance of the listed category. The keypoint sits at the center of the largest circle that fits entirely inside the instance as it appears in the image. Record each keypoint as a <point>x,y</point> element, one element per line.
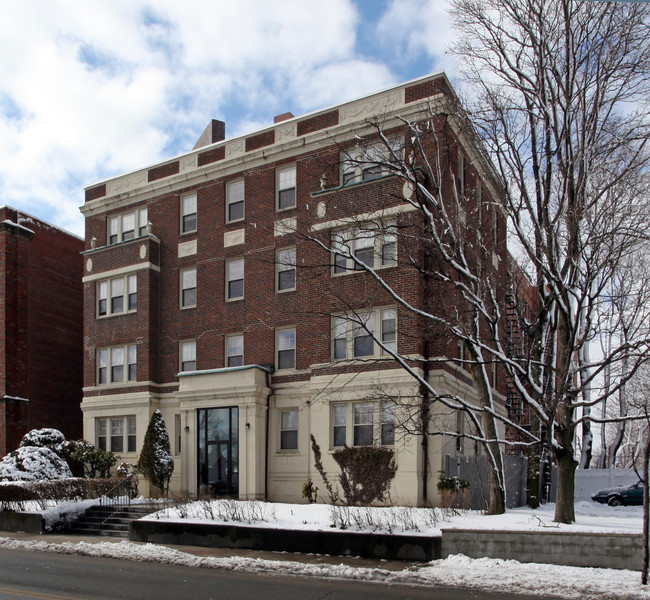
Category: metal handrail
<point>115,499</point>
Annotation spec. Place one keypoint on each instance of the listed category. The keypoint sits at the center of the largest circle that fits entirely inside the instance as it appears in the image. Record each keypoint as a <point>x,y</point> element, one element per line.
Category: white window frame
<point>285,263</point>
<point>289,424</point>
<point>233,275</point>
<point>188,284</point>
<point>285,181</point>
<point>109,429</point>
<point>109,364</point>
<point>351,333</point>
<point>235,194</point>
<point>115,226</point>
<point>105,287</point>
<point>189,213</point>
<point>285,342</point>
<point>187,356</point>
<point>362,423</point>
<point>234,350</point>
<point>363,163</point>
<point>373,244</point>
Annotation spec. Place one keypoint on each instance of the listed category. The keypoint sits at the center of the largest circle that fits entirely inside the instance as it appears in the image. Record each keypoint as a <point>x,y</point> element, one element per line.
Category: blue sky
<point>89,90</point>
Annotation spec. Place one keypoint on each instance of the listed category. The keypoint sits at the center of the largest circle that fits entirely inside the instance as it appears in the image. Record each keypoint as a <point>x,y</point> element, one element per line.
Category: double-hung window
<point>286,348</point>
<point>234,350</point>
<point>188,213</point>
<point>365,163</point>
<point>188,355</point>
<point>117,364</point>
<point>188,288</point>
<point>117,295</point>
<point>372,245</point>
<point>356,335</point>
<point>113,432</point>
<point>372,423</point>
<point>285,262</point>
<point>286,186</point>
<point>127,226</point>
<point>235,279</point>
<point>234,201</point>
<point>289,429</point>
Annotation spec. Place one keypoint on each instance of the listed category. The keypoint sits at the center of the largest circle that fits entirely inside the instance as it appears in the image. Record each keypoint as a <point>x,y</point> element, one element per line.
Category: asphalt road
<point>48,576</point>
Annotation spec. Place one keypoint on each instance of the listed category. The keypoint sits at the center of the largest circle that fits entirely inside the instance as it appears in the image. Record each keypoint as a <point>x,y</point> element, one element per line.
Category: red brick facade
<point>40,328</point>
<point>159,258</point>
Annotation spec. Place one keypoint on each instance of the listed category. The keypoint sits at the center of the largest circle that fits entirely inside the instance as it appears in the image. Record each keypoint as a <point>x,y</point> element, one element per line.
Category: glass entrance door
<point>218,450</point>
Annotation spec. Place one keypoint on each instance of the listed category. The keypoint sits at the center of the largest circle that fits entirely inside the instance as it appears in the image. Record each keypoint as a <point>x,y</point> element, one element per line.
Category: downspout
<point>266,444</point>
<point>424,416</point>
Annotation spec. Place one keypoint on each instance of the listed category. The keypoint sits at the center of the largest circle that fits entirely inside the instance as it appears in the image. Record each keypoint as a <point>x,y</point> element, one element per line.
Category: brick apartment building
<point>208,296</point>
<point>41,301</point>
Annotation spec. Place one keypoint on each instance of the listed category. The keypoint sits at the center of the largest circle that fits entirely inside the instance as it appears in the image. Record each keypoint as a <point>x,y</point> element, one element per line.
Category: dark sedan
<point>620,496</point>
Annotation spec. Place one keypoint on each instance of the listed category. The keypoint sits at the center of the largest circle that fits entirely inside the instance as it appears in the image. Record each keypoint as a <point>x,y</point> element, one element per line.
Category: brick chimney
<point>214,132</point>
<point>283,117</point>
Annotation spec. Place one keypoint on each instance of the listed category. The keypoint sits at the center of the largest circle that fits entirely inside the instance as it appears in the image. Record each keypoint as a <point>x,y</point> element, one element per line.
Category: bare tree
<point>557,88</point>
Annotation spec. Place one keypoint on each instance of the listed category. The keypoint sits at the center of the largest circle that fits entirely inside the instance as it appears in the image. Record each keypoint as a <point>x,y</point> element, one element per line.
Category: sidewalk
<point>59,538</point>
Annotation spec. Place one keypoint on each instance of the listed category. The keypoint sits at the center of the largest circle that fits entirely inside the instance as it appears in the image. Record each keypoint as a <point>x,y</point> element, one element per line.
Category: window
<point>286,186</point>
<point>388,423</point>
<point>367,418</point>
<point>123,295</point>
<point>117,365</point>
<point>373,245</point>
<point>188,288</point>
<point>101,433</point>
<point>355,336</point>
<point>365,163</point>
<point>235,279</point>
<point>110,434</point>
<point>339,424</point>
<point>177,434</point>
<point>289,430</point>
<point>286,348</point>
<point>363,417</point>
<point>188,213</point>
<point>188,355</point>
<point>234,201</point>
<point>234,350</point>
<point>127,225</point>
<point>285,261</point>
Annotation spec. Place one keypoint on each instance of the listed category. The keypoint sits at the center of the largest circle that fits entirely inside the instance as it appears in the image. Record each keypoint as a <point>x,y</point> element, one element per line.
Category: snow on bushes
<point>32,463</point>
<point>40,438</point>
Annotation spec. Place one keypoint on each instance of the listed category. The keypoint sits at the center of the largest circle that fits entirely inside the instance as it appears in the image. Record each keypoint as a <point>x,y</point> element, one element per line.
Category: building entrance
<point>218,451</point>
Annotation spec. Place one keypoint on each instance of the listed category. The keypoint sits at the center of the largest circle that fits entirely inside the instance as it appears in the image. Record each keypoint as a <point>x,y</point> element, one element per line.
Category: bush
<point>156,462</point>
<point>96,462</point>
<point>33,463</point>
<point>14,495</point>
<point>454,492</point>
<point>366,473</point>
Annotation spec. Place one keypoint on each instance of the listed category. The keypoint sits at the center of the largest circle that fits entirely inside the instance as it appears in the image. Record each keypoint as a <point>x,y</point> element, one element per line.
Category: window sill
<point>353,271</point>
<point>120,314</point>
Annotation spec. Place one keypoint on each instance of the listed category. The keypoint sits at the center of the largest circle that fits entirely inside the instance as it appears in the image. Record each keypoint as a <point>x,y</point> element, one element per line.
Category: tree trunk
<point>566,472</point>
<point>497,501</point>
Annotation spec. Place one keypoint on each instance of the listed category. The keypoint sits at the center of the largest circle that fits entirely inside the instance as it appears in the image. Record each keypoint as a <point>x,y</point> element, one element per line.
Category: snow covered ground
<point>590,516</point>
<point>487,574</point>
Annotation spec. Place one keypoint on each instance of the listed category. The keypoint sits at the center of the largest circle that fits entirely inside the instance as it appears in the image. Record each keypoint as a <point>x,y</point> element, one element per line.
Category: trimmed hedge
<point>14,494</point>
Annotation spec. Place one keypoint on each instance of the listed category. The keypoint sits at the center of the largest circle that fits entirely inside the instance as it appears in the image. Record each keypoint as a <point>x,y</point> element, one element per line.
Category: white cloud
<point>412,27</point>
<point>90,90</point>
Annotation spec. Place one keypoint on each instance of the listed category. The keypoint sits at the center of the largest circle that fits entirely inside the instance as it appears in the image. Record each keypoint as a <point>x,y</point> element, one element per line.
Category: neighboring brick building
<point>41,326</point>
<point>204,298</point>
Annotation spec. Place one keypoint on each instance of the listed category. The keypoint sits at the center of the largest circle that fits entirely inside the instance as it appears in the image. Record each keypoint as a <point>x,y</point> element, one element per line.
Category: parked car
<point>620,496</point>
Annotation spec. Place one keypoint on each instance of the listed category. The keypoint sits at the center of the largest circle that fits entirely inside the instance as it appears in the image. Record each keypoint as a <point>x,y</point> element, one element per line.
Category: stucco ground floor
<point>235,433</point>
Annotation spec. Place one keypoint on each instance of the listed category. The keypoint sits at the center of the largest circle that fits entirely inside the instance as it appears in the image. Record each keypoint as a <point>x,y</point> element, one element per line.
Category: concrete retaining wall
<point>620,551</point>
<point>337,543</point>
<point>18,521</point>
